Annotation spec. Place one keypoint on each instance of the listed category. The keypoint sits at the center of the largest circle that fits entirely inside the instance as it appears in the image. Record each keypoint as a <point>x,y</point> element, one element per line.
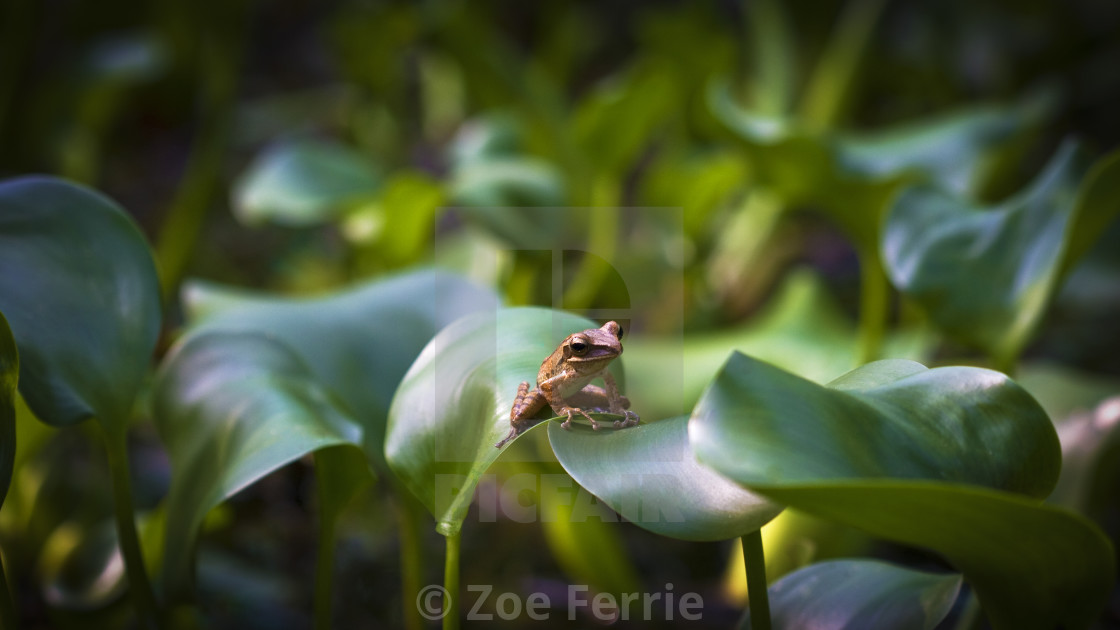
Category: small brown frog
<point>564,382</point>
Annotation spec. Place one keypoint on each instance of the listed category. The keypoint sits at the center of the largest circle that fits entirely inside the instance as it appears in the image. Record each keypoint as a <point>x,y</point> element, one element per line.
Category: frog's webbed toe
<point>631,419</point>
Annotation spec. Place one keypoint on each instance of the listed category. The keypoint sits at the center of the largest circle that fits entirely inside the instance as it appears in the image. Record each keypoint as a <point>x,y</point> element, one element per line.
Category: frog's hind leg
<point>525,405</point>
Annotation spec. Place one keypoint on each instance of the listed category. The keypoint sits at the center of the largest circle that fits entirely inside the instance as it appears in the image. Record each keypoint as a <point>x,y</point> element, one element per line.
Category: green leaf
<point>453,405</point>
<point>304,182</point>
<point>934,242</point>
<point>230,408</point>
<point>359,342</point>
<point>649,475</point>
<point>861,595</point>
<point>507,182</point>
<point>80,292</point>
<point>887,419</point>
<point>937,458</point>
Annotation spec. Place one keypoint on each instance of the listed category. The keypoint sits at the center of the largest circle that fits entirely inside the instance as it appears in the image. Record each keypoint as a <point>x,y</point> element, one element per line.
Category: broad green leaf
<point>359,342</point>
<point>861,595</point>
<point>453,405</point>
<point>892,419</point>
<point>230,408</point>
<point>649,475</point>
<point>9,380</point>
<point>507,182</point>
<point>934,243</point>
<point>953,459</point>
<point>489,136</point>
<point>80,292</point>
<point>304,182</point>
<point>801,330</point>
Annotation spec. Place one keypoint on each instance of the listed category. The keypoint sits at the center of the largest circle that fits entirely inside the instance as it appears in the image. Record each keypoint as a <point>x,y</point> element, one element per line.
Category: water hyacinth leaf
<point>934,242</point>
<point>861,595</point>
<point>453,405</point>
<point>649,475</point>
<point>949,459</point>
<point>79,290</point>
<point>892,419</point>
<point>507,181</point>
<point>359,342</point>
<point>304,182</point>
<point>231,407</point>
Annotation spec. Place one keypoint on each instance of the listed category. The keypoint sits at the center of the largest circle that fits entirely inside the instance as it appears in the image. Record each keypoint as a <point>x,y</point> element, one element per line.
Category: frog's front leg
<point>618,403</point>
<point>551,389</point>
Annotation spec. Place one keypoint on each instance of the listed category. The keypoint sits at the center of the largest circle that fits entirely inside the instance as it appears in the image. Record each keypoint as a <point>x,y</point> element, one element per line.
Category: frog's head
<point>593,348</point>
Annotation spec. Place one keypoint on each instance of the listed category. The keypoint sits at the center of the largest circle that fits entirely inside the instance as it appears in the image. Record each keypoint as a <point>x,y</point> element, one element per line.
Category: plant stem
<point>138,583</point>
<point>451,583</point>
<point>7,605</point>
<point>832,81</point>
<point>873,306</point>
<point>602,242</point>
<point>7,465</point>
<point>187,215</point>
<point>412,559</point>
<point>324,557</point>
<point>755,560</point>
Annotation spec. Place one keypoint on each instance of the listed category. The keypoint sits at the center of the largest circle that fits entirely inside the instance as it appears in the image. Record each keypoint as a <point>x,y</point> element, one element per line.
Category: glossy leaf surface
<point>453,405</point>
<point>952,459</point>
<point>304,182</point>
<point>79,289</point>
<point>861,595</point>
<point>649,475</point>
<point>358,342</point>
<point>231,408</point>
<point>934,244</point>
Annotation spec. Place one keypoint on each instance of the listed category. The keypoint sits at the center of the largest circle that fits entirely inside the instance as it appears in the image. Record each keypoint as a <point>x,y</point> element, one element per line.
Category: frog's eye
<point>618,335</point>
<point>579,348</point>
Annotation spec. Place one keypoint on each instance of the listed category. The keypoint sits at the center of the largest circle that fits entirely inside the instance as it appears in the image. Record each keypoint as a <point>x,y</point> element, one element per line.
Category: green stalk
<point>772,57</point>
<point>602,241</point>
<point>873,305</point>
<point>187,215</point>
<point>7,606</point>
<point>412,559</point>
<point>324,557</point>
<point>138,583</point>
<point>834,76</point>
<point>451,584</point>
<point>755,560</point>
<point>7,464</point>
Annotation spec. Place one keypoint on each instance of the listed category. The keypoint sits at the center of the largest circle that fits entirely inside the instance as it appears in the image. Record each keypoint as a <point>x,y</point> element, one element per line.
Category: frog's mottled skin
<point>564,382</point>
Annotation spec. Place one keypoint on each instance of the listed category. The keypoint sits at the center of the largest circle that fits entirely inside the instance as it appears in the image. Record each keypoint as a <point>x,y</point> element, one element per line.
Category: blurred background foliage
<point>298,147</point>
